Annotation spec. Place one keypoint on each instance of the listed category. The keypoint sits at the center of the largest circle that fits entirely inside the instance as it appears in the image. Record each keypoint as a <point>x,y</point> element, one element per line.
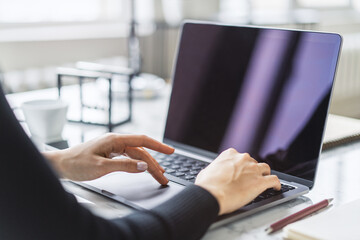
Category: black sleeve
<point>34,204</point>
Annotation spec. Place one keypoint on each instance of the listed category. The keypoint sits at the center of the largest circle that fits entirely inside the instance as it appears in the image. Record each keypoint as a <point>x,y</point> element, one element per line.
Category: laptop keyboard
<point>268,193</point>
<point>183,169</point>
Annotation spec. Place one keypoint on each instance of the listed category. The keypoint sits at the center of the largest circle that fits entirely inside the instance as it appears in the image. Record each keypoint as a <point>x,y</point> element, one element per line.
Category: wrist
<point>55,159</point>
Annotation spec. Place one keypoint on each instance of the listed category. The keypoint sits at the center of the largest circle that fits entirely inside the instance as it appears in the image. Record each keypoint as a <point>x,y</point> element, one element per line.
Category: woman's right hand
<point>235,179</point>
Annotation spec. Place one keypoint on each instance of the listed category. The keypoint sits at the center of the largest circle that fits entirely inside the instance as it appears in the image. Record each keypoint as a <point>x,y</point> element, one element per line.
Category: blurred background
<point>37,36</point>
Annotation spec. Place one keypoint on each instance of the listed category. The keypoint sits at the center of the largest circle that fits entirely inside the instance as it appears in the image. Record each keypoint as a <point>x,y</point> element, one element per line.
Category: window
<point>243,5</point>
<point>20,11</point>
<point>49,11</point>
<point>324,3</point>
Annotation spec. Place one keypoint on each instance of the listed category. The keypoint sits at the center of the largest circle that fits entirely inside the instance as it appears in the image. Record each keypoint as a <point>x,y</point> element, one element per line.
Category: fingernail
<point>142,166</point>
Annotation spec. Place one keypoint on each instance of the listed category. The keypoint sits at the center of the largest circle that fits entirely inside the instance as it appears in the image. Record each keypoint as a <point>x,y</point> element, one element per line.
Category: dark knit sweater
<point>34,205</point>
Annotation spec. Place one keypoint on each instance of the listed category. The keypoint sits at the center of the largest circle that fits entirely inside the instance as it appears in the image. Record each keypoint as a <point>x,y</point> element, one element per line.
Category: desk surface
<point>337,174</point>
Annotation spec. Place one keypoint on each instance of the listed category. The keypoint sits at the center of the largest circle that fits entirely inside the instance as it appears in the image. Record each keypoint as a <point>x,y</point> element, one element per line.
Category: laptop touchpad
<point>135,188</point>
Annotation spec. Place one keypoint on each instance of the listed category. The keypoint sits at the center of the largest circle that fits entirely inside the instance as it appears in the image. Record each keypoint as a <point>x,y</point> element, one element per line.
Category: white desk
<point>337,176</point>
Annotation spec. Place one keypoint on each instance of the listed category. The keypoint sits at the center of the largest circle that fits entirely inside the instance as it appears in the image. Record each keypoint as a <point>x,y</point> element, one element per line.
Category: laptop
<point>259,90</point>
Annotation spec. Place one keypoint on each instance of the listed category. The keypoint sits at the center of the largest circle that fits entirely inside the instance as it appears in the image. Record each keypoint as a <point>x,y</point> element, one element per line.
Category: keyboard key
<point>196,168</point>
<point>159,157</point>
<point>175,166</point>
<point>189,177</point>
<point>277,192</point>
<point>183,170</point>
<point>179,174</point>
<point>201,164</point>
<point>169,170</point>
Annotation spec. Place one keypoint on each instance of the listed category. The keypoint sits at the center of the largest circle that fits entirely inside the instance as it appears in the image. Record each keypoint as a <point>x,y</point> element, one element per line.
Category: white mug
<point>45,119</point>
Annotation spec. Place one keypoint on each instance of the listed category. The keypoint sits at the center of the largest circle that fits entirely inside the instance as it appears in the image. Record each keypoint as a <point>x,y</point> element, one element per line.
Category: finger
<point>244,157</point>
<point>142,141</point>
<point>151,157</point>
<point>264,169</point>
<point>248,157</point>
<point>142,154</point>
<point>125,165</point>
<point>272,181</point>
<point>153,166</point>
<point>228,153</point>
<point>253,160</point>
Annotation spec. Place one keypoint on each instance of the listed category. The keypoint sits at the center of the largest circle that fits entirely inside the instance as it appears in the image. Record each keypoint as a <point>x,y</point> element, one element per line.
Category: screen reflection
<point>261,91</point>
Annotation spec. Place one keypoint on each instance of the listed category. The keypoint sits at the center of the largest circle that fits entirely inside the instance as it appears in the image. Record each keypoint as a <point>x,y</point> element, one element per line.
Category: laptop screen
<point>261,91</point>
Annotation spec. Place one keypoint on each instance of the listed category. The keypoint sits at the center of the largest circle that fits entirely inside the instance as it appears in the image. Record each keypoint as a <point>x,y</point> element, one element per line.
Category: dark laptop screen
<point>261,91</point>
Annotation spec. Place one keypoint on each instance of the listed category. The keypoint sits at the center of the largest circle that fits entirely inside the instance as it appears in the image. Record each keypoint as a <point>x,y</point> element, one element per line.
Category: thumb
<point>126,165</point>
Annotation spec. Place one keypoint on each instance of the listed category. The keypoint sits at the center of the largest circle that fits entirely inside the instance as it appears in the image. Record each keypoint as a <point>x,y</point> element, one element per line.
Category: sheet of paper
<point>342,222</point>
